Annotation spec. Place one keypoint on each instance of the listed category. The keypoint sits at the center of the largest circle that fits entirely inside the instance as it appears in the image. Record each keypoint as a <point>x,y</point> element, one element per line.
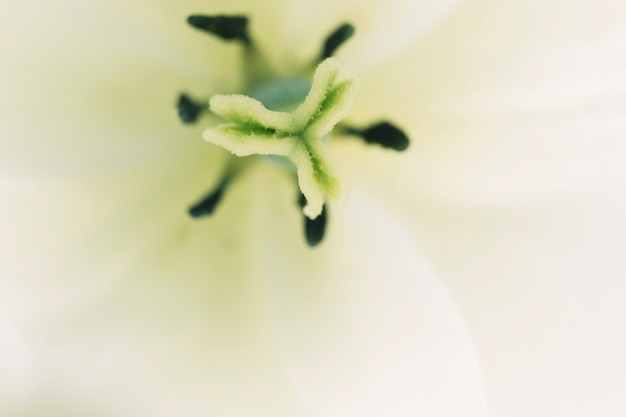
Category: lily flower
<point>478,272</point>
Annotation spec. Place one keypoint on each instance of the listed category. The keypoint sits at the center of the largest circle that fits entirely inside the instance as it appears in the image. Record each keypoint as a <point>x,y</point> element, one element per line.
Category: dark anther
<point>228,28</point>
<point>384,133</point>
<point>206,205</point>
<point>336,39</point>
<point>188,109</point>
<point>314,229</point>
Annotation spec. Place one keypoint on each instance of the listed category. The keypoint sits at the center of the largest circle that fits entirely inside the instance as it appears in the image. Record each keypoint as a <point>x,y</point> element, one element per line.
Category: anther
<point>384,134</point>
<point>228,28</point>
<point>314,229</point>
<point>207,204</point>
<point>337,38</point>
<point>188,109</point>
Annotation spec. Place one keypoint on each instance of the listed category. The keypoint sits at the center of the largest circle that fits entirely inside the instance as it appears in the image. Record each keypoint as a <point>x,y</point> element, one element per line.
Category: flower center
<point>281,94</point>
<point>286,121</point>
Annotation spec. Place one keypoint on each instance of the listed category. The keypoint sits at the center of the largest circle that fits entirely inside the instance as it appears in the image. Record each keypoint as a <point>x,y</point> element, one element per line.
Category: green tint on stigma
<point>287,121</point>
<point>297,135</point>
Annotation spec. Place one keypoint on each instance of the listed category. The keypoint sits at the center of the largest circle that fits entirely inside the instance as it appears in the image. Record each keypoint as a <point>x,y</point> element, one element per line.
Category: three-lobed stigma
<point>297,135</point>
<point>285,120</point>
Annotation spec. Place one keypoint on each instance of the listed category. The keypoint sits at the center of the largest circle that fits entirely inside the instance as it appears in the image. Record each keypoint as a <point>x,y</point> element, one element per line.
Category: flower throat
<point>287,121</point>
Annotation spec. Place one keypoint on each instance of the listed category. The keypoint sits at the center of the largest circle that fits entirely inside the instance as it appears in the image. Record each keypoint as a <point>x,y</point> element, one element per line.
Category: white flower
<point>114,303</point>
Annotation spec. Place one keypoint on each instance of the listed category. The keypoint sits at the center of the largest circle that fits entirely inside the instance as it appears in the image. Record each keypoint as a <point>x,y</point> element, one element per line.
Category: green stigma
<point>297,135</point>
<point>287,121</point>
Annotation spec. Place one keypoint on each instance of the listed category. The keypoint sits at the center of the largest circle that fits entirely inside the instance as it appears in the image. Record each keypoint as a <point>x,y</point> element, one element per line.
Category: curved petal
<point>126,307</point>
<point>85,89</point>
<point>382,28</point>
<point>495,59</point>
<point>514,183</point>
<point>370,331</point>
<point>92,85</point>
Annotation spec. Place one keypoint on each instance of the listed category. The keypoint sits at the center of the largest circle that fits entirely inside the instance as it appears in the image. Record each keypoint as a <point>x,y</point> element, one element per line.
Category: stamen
<point>228,28</point>
<point>285,120</point>
<point>314,229</point>
<point>207,204</point>
<point>337,38</point>
<point>384,134</point>
<point>188,109</point>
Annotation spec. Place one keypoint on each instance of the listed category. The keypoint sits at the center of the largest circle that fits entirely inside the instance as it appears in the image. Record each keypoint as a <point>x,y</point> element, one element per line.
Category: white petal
<point>370,331</point>
<point>126,307</point>
<point>383,28</point>
<point>85,88</point>
<point>93,85</point>
<point>515,183</point>
<point>503,58</point>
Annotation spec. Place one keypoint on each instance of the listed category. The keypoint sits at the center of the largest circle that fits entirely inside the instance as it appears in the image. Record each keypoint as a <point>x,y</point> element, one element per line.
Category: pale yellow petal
<point>514,181</point>
<point>127,307</point>
<point>383,28</point>
<point>86,89</point>
<point>368,331</point>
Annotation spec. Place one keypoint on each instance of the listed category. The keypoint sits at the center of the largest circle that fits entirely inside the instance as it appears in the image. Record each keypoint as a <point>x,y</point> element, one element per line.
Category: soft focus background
<point>479,273</point>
